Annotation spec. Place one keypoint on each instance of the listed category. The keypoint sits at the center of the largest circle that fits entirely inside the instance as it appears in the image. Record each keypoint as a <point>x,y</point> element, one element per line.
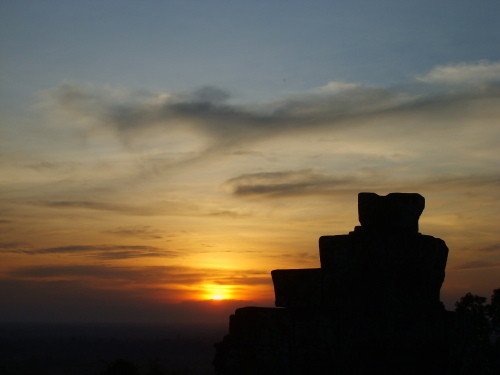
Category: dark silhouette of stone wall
<point>372,308</point>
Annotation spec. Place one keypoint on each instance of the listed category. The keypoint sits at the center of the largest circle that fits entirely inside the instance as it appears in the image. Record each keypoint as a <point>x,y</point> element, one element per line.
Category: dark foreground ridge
<point>372,308</point>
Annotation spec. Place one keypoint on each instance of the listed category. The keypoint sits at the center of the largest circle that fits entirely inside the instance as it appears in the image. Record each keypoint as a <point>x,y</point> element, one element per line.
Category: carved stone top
<point>394,211</point>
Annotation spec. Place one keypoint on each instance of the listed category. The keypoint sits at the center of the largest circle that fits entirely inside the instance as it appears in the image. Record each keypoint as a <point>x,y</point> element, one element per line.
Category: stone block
<point>297,288</point>
<point>395,210</point>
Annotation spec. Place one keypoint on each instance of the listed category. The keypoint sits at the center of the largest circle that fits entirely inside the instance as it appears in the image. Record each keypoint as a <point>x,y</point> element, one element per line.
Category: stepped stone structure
<point>372,308</point>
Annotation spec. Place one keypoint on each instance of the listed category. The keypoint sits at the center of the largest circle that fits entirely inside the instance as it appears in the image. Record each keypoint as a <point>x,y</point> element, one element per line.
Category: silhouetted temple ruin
<point>372,308</point>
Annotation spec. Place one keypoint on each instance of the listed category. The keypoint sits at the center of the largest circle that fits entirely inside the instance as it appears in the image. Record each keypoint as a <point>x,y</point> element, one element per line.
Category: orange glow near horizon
<point>217,292</point>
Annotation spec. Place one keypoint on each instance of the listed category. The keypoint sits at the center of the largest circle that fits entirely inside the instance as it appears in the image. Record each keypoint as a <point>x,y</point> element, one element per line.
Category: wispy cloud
<point>208,113</point>
<point>310,182</point>
<point>15,246</point>
<point>93,251</point>
<point>60,166</point>
<point>300,257</point>
<point>229,213</point>
<point>151,275</point>
<point>476,265</point>
<point>158,208</point>
<point>94,205</point>
<point>286,183</point>
<point>483,72</point>
<point>491,248</point>
<point>140,231</point>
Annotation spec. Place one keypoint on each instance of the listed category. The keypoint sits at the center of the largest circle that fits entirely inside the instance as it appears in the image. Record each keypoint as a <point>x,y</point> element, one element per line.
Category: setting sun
<point>217,292</point>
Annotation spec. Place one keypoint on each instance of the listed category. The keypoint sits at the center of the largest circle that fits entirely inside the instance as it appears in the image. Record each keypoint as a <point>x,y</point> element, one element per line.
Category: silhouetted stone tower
<point>372,308</point>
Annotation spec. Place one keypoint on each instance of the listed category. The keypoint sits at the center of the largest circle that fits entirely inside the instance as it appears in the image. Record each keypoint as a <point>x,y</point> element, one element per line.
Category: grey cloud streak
<point>491,249</point>
<point>180,275</point>
<point>285,183</point>
<point>208,113</point>
<point>128,275</point>
<point>15,246</point>
<point>108,252</point>
<point>309,182</point>
<point>223,123</point>
<point>141,231</point>
<point>158,208</point>
<point>476,265</point>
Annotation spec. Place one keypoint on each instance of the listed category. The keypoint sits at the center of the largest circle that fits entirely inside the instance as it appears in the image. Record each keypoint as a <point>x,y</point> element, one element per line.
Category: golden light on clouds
<point>196,196</point>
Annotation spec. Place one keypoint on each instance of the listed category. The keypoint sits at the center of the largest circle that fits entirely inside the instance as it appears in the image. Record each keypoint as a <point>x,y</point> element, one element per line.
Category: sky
<point>160,158</point>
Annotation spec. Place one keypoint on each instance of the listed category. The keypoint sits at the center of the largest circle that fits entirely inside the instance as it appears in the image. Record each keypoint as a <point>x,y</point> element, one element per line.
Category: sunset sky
<point>157,154</point>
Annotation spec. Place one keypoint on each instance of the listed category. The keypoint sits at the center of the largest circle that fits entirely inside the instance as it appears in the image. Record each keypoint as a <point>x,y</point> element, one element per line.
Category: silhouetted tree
<point>474,307</point>
<point>493,311</point>
<point>483,353</point>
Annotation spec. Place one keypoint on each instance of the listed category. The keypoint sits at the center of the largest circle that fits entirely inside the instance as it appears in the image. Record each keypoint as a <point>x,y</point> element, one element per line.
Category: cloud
<point>158,208</point>
<point>105,206</point>
<point>72,272</point>
<point>300,257</point>
<point>14,246</point>
<point>491,248</point>
<point>339,87</point>
<point>59,167</point>
<point>141,231</point>
<point>476,265</point>
<point>109,276</point>
<point>235,214</point>
<point>482,72</point>
<point>310,182</point>
<point>207,115</point>
<point>93,251</point>
<point>154,276</point>
<point>247,277</point>
<point>285,183</point>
